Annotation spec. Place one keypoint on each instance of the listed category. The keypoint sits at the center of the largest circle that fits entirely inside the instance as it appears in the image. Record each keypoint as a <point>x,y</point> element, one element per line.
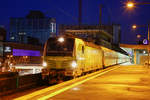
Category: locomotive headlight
<point>61,39</point>
<point>44,64</point>
<point>74,64</point>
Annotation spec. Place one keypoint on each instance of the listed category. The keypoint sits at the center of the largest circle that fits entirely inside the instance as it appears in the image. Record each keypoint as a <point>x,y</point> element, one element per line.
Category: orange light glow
<point>130,5</point>
<point>11,56</point>
<point>138,36</point>
<point>134,26</point>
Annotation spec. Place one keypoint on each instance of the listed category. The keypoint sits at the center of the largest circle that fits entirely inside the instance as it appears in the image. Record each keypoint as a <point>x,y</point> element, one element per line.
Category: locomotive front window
<point>82,49</point>
<point>56,48</point>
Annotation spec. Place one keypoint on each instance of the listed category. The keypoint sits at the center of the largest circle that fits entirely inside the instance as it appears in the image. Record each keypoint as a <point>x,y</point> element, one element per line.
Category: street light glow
<point>130,4</point>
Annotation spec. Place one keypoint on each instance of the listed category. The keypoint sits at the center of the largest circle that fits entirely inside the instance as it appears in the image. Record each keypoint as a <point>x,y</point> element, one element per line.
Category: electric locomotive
<point>71,57</point>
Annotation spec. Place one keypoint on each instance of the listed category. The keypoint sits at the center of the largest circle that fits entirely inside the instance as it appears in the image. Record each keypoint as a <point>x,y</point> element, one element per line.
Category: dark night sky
<point>66,12</point>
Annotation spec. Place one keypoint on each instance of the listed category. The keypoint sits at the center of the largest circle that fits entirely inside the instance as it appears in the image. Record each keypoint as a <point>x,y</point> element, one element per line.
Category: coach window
<point>82,49</point>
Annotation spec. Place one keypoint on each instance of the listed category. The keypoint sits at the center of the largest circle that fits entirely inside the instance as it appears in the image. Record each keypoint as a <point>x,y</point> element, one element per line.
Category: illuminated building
<point>34,29</point>
<point>19,53</point>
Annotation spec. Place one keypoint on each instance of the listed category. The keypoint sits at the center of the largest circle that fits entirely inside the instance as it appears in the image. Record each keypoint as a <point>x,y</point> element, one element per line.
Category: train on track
<point>72,57</point>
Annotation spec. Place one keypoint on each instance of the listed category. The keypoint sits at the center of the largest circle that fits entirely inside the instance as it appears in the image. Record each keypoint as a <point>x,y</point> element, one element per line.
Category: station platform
<point>121,82</point>
<point>128,82</point>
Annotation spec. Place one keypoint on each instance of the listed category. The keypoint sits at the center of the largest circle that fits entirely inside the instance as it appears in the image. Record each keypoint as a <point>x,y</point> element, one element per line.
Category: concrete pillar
<point>135,56</point>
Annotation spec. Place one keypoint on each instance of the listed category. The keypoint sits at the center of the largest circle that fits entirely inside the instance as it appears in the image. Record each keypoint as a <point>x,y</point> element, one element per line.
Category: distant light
<point>11,56</point>
<point>138,36</point>
<point>11,64</point>
<point>44,64</point>
<point>134,26</point>
<point>130,5</point>
<point>22,33</point>
<point>8,56</point>
<point>61,39</point>
<point>144,52</point>
<point>12,38</point>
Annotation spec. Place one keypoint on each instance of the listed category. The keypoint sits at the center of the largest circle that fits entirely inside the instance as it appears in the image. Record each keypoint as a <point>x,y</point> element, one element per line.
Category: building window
<point>12,38</point>
<point>53,27</point>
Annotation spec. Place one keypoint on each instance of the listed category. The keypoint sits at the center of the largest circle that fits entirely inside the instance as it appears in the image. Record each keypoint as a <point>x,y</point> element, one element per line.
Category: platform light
<point>61,39</point>
<point>138,36</point>
<point>134,26</point>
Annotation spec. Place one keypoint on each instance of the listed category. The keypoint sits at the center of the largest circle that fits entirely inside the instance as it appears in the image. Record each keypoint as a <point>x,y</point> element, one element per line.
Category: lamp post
<point>148,26</point>
<point>132,4</point>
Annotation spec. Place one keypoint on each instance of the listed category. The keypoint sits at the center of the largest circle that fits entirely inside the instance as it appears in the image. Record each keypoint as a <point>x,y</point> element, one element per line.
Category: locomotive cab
<point>59,59</point>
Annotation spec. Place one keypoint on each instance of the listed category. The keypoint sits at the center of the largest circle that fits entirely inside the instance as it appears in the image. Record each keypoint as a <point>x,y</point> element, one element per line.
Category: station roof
<point>134,46</point>
<point>89,31</point>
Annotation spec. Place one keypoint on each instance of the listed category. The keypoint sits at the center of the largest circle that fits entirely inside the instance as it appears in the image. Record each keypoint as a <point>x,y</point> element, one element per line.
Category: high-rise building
<point>35,28</point>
